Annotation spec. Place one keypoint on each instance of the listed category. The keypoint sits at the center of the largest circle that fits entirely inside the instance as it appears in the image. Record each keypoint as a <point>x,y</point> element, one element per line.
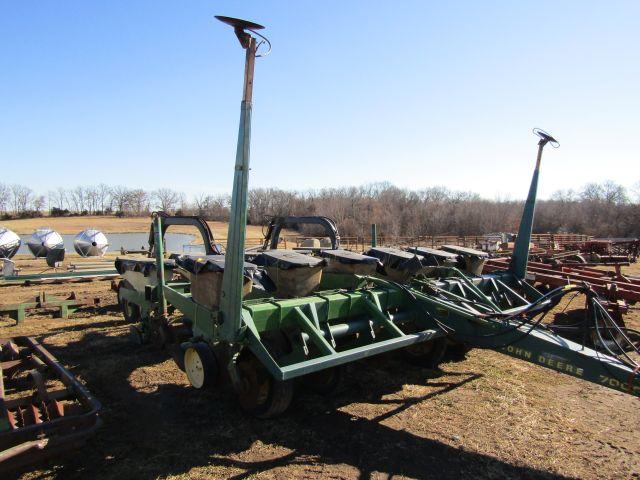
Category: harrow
<point>59,415</point>
<point>262,319</point>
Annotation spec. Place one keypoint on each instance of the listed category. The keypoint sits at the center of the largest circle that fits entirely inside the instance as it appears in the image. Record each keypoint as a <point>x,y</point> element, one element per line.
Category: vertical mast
<point>232,280</point>
<point>520,257</point>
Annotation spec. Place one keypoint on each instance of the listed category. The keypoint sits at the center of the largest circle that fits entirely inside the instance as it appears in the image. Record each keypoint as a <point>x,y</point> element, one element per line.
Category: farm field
<point>488,417</point>
<point>110,224</point>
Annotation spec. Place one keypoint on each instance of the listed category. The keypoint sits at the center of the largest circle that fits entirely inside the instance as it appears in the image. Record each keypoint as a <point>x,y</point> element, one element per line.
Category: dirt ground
<point>488,417</point>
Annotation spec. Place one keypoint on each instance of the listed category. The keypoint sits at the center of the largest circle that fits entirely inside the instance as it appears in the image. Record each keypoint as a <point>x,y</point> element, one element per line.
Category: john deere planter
<point>261,319</point>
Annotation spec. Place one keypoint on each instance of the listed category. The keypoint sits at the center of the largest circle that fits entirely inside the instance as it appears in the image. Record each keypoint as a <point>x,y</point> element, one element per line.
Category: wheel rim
<point>194,367</point>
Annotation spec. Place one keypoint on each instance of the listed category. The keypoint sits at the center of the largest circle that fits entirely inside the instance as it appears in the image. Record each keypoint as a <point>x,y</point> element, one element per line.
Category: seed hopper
<point>260,319</point>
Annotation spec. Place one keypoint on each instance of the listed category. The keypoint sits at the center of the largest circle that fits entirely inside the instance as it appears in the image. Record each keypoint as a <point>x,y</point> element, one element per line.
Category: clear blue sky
<point>146,93</point>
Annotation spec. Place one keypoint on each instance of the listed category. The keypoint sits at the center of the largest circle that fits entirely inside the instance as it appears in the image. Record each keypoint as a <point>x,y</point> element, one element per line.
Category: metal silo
<point>9,243</point>
<point>91,243</point>
<point>43,240</point>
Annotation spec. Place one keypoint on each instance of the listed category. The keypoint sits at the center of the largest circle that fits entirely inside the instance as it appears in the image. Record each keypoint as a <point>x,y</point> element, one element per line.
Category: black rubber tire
<point>135,334</point>
<point>131,311</point>
<point>458,350</point>
<point>261,395</point>
<point>323,382</point>
<point>427,354</point>
<point>208,366</point>
<point>122,285</point>
<point>162,336</point>
<point>177,353</point>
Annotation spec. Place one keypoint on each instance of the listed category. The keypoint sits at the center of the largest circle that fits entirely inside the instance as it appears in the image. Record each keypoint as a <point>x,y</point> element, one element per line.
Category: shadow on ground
<point>164,427</point>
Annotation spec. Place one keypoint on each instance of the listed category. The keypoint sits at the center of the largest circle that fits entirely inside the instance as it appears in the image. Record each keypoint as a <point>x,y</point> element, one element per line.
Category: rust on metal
<point>44,409</point>
<point>609,285</point>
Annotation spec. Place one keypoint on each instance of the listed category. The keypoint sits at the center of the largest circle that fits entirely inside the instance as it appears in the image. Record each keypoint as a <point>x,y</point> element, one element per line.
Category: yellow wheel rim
<point>194,368</point>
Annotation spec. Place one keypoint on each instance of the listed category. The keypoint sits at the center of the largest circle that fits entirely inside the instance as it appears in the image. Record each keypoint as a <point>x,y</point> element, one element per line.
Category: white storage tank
<point>9,243</point>
<point>91,243</point>
<point>43,240</point>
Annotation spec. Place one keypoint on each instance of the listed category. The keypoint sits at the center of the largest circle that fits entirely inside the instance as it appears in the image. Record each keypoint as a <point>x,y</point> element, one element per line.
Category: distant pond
<point>174,242</point>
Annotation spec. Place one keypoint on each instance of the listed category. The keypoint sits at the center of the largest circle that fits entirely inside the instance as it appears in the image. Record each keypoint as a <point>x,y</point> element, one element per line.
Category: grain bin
<point>91,243</point>
<point>9,243</point>
<point>43,241</point>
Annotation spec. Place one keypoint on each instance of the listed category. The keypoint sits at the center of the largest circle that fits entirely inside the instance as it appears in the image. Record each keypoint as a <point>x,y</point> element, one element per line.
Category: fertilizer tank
<point>43,240</point>
<point>91,243</point>
<point>9,243</point>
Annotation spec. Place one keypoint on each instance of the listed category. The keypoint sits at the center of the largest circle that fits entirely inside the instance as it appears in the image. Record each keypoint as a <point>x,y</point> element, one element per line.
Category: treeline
<point>601,209</point>
<point>19,201</point>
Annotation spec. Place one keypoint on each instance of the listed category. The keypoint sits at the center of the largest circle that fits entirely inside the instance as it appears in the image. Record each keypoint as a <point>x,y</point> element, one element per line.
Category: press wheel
<point>457,350</point>
<point>130,310</point>
<point>200,365</point>
<point>323,382</point>
<point>427,354</point>
<point>259,394</point>
<point>136,336</point>
<point>161,333</point>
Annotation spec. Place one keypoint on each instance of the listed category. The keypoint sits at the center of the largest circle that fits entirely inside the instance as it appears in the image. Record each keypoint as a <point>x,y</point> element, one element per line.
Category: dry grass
<point>111,224</point>
<point>487,417</point>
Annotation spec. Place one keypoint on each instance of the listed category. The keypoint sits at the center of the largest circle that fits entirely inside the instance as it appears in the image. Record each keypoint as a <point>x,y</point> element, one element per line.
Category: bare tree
<point>138,201</point>
<point>78,199</point>
<point>20,198</point>
<point>58,198</point>
<point>602,209</point>
<point>636,191</point>
<point>120,197</point>
<point>592,192</point>
<point>104,197</point>
<point>564,195</point>
<point>5,193</point>
<point>38,203</point>
<point>184,204</point>
<point>166,199</point>
<point>92,199</point>
<point>212,207</point>
<point>264,202</point>
<point>614,193</point>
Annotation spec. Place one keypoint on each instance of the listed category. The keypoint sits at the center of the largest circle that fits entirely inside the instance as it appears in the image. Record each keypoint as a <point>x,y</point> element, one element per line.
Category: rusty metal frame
<point>34,422</point>
<point>600,281</point>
